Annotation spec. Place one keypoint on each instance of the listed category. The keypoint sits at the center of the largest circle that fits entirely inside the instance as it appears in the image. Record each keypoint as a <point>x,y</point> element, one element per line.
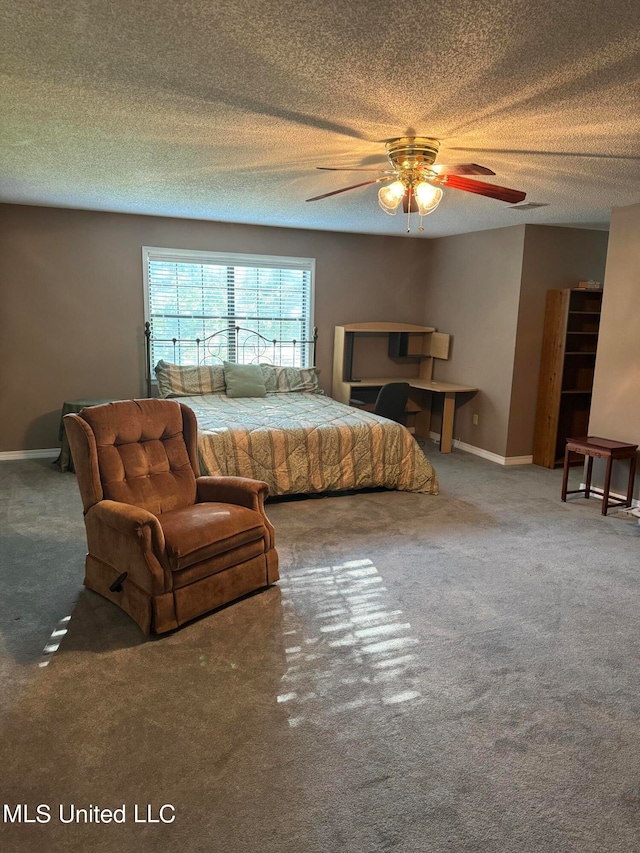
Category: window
<point>206,307</point>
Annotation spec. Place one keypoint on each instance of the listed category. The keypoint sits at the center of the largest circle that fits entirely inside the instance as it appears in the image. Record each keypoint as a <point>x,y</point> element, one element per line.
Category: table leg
<point>565,474</point>
<point>446,432</point>
<point>587,489</point>
<point>607,485</point>
<point>632,479</point>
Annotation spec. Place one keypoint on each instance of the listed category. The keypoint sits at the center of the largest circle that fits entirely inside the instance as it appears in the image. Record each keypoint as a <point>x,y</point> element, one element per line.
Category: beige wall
<point>473,287</point>
<point>488,290</point>
<point>72,305</point>
<point>615,406</point>
<point>553,258</point>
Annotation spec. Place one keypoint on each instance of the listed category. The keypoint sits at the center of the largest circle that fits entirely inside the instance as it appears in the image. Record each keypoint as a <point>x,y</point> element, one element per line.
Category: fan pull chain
<point>420,228</point>
<point>409,212</point>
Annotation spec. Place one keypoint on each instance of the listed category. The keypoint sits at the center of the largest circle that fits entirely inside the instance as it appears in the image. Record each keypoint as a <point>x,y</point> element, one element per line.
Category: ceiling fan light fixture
<point>415,179</point>
<point>389,197</point>
<point>427,197</point>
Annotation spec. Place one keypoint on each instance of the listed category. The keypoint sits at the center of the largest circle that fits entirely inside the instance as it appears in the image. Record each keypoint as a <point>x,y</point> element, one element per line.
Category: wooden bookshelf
<point>569,344</point>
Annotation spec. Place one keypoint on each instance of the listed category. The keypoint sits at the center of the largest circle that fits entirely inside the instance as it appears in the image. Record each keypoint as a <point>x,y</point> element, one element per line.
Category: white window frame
<point>226,259</point>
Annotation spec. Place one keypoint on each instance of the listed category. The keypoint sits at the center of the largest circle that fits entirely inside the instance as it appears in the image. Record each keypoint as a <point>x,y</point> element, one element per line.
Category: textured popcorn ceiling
<point>221,110</point>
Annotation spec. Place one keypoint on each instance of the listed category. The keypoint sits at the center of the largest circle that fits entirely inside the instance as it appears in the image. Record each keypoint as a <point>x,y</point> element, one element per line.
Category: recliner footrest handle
<point>116,586</point>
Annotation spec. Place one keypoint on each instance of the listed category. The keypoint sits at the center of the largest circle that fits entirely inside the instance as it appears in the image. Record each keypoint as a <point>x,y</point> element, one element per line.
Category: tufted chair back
<point>139,452</point>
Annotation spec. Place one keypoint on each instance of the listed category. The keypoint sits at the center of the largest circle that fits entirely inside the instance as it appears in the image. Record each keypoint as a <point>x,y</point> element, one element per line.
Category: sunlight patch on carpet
<point>353,651</point>
<point>53,643</point>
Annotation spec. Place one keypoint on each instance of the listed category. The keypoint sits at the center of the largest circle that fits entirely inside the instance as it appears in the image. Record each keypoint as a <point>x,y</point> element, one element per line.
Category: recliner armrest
<point>241,491</point>
<point>130,537</point>
<point>130,519</point>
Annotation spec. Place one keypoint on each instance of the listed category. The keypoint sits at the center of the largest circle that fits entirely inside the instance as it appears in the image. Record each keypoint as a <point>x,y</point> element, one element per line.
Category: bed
<point>292,436</point>
<point>304,442</point>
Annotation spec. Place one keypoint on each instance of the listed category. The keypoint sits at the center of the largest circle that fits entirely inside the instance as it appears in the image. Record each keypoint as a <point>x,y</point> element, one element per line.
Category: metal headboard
<point>233,343</point>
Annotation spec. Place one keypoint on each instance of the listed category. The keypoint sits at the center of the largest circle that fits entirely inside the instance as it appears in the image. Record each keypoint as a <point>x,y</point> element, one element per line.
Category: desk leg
<point>446,432</point>
<point>423,420</point>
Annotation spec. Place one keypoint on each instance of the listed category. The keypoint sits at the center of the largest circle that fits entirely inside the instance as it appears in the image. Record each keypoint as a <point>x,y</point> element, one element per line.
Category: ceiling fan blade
<point>461,169</point>
<point>357,169</point>
<point>482,188</point>
<point>344,189</point>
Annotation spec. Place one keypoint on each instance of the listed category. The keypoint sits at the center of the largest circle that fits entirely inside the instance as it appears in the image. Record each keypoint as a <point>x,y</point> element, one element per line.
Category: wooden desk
<point>447,389</point>
<point>407,344</point>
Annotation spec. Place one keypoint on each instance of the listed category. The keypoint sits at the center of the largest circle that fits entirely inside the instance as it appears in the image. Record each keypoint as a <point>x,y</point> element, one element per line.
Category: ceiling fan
<point>417,182</point>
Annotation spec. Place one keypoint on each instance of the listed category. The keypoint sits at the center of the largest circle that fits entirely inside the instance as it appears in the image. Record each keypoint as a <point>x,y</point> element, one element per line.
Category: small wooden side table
<point>601,448</point>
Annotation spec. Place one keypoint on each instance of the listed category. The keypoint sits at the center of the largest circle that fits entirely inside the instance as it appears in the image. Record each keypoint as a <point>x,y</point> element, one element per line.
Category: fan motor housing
<point>407,152</point>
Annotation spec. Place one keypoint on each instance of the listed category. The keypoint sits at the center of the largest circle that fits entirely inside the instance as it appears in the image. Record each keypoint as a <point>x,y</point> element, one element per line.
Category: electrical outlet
<point>475,420</point>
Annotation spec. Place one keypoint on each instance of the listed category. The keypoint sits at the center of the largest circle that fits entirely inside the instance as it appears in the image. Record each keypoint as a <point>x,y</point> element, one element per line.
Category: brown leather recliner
<point>165,544</point>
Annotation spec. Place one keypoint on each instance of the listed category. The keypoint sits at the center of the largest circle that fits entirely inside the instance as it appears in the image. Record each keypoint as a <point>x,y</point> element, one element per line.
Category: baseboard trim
<point>518,460</point>
<point>486,454</point>
<point>44,453</point>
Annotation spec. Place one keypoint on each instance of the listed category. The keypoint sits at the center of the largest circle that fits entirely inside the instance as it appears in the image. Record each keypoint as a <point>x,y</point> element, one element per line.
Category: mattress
<point>305,442</point>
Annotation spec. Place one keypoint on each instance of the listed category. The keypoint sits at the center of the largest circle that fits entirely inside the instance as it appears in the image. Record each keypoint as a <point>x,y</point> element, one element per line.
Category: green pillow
<point>244,380</point>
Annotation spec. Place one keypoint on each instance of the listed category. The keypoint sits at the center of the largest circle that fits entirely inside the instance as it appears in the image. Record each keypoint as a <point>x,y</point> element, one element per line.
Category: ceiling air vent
<point>528,205</point>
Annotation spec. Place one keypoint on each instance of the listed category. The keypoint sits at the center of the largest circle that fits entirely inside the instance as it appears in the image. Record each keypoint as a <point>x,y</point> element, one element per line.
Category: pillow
<point>282,380</point>
<point>177,380</point>
<point>244,380</point>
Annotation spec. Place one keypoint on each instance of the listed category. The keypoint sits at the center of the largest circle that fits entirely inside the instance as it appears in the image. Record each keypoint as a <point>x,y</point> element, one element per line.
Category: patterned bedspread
<point>305,442</point>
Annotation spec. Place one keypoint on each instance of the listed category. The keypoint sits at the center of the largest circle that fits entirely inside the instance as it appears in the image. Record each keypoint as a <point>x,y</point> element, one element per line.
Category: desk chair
<point>390,402</point>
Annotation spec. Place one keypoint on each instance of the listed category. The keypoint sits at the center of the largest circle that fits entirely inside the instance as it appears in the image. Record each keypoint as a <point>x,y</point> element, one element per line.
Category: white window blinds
<point>204,307</point>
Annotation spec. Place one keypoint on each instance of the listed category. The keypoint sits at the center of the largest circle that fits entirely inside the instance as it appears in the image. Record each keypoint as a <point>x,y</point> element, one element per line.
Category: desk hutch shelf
<point>405,342</point>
